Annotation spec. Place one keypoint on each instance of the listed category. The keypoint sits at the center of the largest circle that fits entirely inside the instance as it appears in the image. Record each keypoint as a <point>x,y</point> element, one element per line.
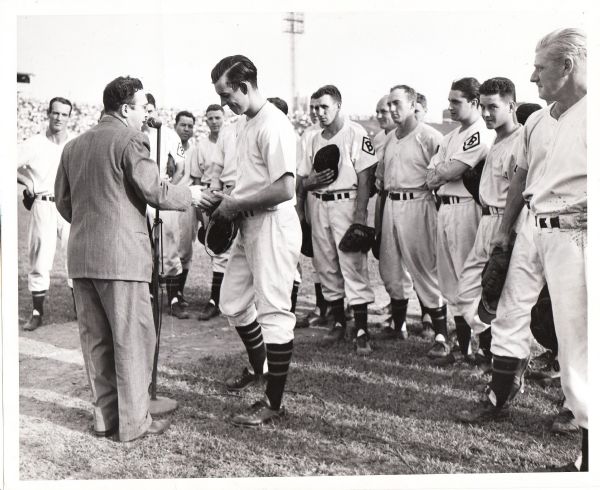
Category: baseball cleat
<point>335,333</point>
<point>244,380</point>
<point>362,344</point>
<point>440,348</point>
<point>178,311</point>
<point>182,301</point>
<point>313,319</point>
<point>564,422</point>
<point>209,311</point>
<point>483,412</point>
<point>33,323</point>
<point>257,414</point>
<point>392,333</point>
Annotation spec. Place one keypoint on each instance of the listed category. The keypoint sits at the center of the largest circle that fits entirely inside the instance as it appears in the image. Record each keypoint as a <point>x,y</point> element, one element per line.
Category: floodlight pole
<point>294,26</point>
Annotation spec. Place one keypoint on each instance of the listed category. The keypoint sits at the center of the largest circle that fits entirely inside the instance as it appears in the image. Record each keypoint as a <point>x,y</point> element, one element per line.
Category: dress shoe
<point>156,428</point>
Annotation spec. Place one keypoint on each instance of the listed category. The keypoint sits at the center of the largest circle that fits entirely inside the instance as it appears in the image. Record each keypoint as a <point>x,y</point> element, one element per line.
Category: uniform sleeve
<point>364,151</point>
<point>62,190</point>
<point>278,149</point>
<point>142,174</point>
<point>303,158</point>
<point>474,148</point>
<point>521,151</point>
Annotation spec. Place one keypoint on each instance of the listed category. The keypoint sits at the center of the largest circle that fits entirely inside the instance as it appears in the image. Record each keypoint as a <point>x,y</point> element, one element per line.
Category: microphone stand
<point>159,405</point>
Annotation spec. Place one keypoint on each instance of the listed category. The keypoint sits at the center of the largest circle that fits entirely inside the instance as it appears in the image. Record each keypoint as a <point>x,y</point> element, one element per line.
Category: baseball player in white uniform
<point>188,223</point>
<point>38,160</point>
<point>208,152</point>
<point>334,206</point>
<point>459,215</point>
<point>172,168</point>
<point>552,243</point>
<point>498,103</point>
<point>318,316</point>
<point>258,281</point>
<point>408,241</point>
<point>421,107</point>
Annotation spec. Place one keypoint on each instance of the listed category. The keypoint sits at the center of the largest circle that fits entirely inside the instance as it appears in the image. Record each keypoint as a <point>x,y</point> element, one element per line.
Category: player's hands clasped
<point>228,209</point>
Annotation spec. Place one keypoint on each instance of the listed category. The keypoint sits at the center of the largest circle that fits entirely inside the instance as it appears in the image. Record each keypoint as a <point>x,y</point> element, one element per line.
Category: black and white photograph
<point>294,245</point>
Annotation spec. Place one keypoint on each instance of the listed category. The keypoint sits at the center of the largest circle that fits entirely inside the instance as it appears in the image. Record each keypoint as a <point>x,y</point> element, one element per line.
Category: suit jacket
<point>104,182</point>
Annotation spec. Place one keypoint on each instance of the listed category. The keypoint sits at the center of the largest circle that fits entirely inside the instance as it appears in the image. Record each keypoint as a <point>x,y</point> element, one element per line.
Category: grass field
<point>390,413</point>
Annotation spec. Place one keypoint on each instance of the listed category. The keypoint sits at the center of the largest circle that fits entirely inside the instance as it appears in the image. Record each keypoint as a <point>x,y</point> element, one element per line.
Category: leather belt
<point>45,198</point>
<point>451,199</point>
<point>401,196</point>
<point>550,222</point>
<point>491,210</point>
<point>333,196</point>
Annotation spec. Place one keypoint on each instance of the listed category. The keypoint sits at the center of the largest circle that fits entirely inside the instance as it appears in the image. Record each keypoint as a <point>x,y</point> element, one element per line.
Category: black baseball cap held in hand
<point>328,158</point>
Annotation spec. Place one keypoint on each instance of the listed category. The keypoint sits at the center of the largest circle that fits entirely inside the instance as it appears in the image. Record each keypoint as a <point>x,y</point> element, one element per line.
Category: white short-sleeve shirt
<point>265,151</point>
<point>562,183</point>
<point>536,138</point>
<point>405,160</point>
<point>40,158</point>
<point>469,146</point>
<point>495,177</point>
<point>357,153</point>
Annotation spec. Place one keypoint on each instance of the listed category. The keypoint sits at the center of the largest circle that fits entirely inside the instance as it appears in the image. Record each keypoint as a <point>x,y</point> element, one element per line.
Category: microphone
<point>153,123</point>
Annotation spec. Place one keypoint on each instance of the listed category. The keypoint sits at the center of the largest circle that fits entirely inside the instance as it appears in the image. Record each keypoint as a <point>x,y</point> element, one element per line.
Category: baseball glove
<point>307,248</point>
<point>542,322</point>
<point>327,158</point>
<point>376,248</point>
<point>471,179</point>
<point>492,282</point>
<point>358,238</point>
<point>201,233</point>
<point>219,236</point>
<point>28,199</point>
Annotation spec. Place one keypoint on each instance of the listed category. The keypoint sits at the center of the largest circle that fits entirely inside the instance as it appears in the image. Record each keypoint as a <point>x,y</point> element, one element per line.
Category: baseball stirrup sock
<point>215,290</point>
<point>399,307</point>
<point>485,342</point>
<point>38,300</point>
<point>360,316</point>
<point>321,303</point>
<point>507,378</point>
<point>584,451</point>
<point>295,288</point>
<point>252,338</point>
<point>439,321</point>
<point>337,311</point>
<point>463,335</point>
<point>278,360</point>
<point>182,281</point>
<point>172,283</point>
<point>423,308</point>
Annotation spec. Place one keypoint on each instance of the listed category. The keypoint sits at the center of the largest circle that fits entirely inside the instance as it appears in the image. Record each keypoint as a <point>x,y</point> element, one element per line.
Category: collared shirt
<point>40,158</point>
<point>405,160</point>
<point>265,151</point>
<point>562,184</point>
<point>357,153</point>
<point>495,177</point>
<point>469,146</point>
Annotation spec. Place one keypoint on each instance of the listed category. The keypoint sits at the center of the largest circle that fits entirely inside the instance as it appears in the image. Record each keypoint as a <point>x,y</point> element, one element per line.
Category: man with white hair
<point>552,244</point>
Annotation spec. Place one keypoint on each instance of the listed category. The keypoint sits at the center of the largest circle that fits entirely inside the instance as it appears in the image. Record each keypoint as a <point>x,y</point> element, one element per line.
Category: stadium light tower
<point>294,25</point>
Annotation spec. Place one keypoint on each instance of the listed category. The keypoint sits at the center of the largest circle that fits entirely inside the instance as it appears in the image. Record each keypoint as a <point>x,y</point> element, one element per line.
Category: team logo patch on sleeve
<point>472,142</point>
<point>367,145</point>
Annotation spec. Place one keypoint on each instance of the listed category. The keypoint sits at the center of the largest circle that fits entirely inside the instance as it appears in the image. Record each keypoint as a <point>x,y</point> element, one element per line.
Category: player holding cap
<point>338,203</point>
<point>258,280</point>
<point>459,215</point>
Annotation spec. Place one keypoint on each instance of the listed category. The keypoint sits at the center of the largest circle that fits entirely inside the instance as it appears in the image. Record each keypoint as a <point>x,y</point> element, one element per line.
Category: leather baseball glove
<point>358,238</point>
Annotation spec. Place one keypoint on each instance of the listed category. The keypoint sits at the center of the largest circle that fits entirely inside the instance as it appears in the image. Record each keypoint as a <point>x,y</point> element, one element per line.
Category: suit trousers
<point>118,339</point>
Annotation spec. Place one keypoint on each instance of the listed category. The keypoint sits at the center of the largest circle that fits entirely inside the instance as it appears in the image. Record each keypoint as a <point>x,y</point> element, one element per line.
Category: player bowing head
<point>235,81</point>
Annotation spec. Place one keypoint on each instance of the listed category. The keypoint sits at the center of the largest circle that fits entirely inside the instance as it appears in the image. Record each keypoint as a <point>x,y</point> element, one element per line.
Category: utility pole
<point>294,26</point>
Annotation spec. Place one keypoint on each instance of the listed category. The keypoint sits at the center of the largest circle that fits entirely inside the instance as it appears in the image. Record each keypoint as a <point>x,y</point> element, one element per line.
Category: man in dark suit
<point>104,182</point>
